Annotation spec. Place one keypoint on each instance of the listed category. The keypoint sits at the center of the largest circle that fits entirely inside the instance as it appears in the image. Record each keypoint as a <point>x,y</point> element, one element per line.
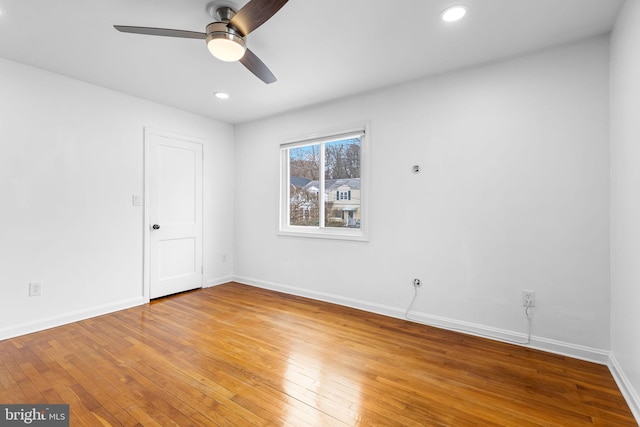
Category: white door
<point>173,217</point>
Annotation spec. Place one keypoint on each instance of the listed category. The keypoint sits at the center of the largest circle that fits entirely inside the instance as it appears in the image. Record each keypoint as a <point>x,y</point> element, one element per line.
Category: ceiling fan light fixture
<point>453,13</point>
<point>224,43</point>
<point>225,49</point>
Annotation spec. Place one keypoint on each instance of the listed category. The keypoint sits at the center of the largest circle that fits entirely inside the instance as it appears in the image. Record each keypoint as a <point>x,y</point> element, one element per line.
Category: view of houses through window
<point>324,183</point>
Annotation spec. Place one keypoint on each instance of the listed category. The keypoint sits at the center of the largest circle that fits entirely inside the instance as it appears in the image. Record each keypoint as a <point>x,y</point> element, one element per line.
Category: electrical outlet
<point>529,298</point>
<point>35,289</point>
<point>416,282</point>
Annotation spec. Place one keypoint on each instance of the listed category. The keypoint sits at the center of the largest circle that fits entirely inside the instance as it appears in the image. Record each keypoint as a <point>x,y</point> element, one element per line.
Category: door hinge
<point>202,269</point>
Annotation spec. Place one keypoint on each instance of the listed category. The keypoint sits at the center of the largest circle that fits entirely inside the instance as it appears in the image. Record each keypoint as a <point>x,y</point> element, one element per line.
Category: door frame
<point>149,132</point>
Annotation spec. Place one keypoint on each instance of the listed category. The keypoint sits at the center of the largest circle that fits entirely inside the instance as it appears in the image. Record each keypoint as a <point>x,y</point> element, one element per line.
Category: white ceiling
<point>318,49</point>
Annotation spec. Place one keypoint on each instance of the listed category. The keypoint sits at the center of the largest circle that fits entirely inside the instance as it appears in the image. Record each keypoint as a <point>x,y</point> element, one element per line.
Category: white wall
<point>514,195</point>
<point>71,157</point>
<point>625,200</point>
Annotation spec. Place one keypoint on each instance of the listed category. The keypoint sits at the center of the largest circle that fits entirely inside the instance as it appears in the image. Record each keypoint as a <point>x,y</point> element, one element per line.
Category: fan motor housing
<point>217,30</point>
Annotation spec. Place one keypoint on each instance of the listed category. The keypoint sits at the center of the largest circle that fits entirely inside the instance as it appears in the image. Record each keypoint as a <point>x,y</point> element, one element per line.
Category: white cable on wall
<point>527,313</point>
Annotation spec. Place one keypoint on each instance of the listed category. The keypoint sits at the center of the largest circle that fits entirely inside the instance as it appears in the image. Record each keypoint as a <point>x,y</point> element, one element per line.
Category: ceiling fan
<point>226,38</point>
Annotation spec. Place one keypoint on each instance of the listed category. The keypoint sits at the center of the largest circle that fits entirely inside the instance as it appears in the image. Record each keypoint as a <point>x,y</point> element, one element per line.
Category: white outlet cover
<point>35,289</point>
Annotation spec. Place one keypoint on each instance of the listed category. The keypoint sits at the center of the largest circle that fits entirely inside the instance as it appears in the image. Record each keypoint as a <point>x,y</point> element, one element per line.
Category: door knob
<point>155,226</point>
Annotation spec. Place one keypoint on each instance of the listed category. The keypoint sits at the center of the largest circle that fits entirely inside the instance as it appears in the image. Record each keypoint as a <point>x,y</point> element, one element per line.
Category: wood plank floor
<point>235,355</point>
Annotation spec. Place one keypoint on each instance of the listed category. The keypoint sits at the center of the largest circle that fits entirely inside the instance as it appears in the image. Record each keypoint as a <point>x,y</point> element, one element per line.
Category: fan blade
<point>160,32</point>
<point>257,67</point>
<point>254,14</point>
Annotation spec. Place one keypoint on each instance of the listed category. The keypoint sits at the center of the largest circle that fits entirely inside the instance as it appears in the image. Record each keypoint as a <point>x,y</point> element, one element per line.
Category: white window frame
<point>341,233</point>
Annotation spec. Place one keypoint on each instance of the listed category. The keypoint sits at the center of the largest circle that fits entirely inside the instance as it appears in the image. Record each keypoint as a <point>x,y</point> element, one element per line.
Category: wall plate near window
<point>323,186</point>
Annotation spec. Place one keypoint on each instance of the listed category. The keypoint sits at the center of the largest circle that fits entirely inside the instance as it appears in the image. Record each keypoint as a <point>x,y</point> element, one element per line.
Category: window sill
<point>325,234</point>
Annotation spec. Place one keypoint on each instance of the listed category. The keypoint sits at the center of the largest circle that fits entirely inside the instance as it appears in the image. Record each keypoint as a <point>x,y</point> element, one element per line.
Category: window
<point>343,195</point>
<point>322,187</point>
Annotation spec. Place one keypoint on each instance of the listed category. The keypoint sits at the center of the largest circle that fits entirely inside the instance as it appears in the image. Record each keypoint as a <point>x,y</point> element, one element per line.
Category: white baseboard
<point>218,281</point>
<point>562,348</point>
<point>322,296</point>
<point>590,354</point>
<point>627,390</point>
<point>52,322</point>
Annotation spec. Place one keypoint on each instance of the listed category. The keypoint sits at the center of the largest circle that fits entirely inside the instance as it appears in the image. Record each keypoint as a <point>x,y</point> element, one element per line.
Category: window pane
<point>342,183</point>
<point>304,185</point>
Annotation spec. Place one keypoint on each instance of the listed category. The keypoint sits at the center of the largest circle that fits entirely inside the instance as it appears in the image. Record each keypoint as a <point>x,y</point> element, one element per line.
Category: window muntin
<point>328,203</point>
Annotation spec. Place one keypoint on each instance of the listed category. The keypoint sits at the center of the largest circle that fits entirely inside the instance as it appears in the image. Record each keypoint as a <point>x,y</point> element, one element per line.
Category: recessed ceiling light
<point>453,13</point>
<point>221,95</point>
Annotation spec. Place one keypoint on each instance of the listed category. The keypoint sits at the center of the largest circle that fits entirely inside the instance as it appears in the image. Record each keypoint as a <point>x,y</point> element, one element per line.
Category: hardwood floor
<point>235,355</point>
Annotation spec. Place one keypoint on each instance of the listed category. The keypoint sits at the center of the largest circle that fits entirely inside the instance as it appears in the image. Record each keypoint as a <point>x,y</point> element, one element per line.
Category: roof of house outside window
<point>298,181</point>
<point>334,184</point>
